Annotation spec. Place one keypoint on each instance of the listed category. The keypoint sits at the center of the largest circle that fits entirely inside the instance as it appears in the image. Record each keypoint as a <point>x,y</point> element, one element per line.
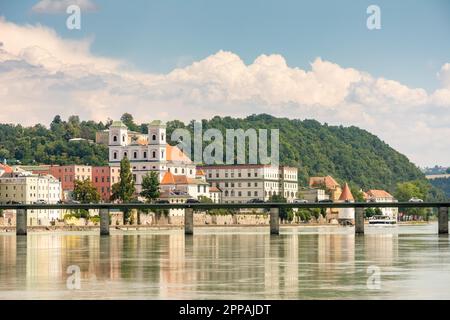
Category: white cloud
<point>60,6</point>
<point>42,74</point>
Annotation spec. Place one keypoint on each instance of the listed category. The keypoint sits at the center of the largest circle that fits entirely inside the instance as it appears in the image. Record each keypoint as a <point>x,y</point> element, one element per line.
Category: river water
<point>328,262</point>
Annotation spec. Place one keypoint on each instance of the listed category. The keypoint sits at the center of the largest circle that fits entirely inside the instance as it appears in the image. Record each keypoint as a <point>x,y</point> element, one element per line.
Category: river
<point>326,262</point>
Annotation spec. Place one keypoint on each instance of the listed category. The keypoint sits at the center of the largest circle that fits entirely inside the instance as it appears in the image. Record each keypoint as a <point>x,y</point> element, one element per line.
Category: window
<point>249,174</point>
<point>210,175</point>
<point>135,155</point>
<point>198,189</point>
<point>256,193</point>
<point>249,193</point>
<point>162,154</point>
<point>217,175</point>
<point>256,174</point>
<point>134,178</point>
<point>162,136</point>
<point>154,154</point>
<point>145,154</point>
<point>239,194</point>
<point>239,174</point>
<point>123,138</point>
<point>154,137</point>
<point>125,154</point>
<point>115,138</point>
<point>249,184</point>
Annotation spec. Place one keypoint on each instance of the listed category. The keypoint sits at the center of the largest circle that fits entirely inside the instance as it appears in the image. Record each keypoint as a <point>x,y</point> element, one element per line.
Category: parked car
<point>192,200</point>
<point>41,201</point>
<point>415,199</point>
<point>300,201</point>
<point>255,201</point>
<point>162,201</point>
<point>71,201</point>
<point>326,201</point>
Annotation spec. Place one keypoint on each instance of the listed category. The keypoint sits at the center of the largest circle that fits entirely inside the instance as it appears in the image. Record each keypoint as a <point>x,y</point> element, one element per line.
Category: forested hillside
<point>347,153</point>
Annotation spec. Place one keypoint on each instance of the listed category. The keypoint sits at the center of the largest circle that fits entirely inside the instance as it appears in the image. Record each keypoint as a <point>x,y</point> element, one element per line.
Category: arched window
<point>154,137</point>
<point>135,155</point>
<point>226,193</point>
<point>154,154</point>
<point>125,154</point>
<point>115,155</point>
<point>162,154</point>
<point>162,136</point>
<point>123,138</point>
<point>145,154</point>
<point>115,138</point>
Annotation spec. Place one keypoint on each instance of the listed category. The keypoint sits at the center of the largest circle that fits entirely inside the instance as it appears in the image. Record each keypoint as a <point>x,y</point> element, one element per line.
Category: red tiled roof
<point>173,153</point>
<point>6,168</point>
<point>346,194</point>
<point>328,181</point>
<point>214,189</point>
<point>378,194</point>
<point>170,178</point>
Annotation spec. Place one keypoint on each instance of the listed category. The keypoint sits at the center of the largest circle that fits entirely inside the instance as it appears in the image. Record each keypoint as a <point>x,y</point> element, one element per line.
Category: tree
<point>150,186</point>
<point>85,192</point>
<point>124,189</point>
<point>447,171</point>
<point>128,120</point>
<point>412,189</point>
<point>4,154</point>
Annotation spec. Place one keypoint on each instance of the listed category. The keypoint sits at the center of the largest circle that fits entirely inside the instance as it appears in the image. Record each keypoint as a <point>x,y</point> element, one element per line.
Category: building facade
<point>28,188</point>
<point>103,179</point>
<point>382,196</point>
<point>151,152</point>
<point>241,183</point>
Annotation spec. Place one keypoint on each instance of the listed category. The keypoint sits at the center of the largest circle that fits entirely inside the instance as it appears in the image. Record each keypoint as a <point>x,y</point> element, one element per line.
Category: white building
<point>346,214</point>
<point>28,188</point>
<point>150,152</point>
<point>382,196</point>
<point>241,183</point>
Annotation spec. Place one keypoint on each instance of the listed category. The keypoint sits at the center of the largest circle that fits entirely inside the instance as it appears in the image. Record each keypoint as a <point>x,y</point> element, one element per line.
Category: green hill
<point>347,153</point>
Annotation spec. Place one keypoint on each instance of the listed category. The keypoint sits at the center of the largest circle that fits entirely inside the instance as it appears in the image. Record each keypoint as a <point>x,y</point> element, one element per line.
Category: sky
<point>196,59</point>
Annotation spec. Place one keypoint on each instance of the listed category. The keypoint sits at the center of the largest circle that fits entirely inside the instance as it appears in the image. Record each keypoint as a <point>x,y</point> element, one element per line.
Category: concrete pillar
<point>359,221</point>
<point>21,222</point>
<point>104,222</point>
<point>188,221</point>
<point>274,221</point>
<point>443,220</point>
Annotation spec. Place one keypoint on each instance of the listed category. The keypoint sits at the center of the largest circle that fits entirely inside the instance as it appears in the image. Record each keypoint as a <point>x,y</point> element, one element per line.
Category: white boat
<point>382,220</point>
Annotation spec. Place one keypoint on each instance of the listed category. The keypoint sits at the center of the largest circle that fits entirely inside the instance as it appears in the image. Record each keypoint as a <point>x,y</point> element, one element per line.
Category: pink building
<point>103,178</point>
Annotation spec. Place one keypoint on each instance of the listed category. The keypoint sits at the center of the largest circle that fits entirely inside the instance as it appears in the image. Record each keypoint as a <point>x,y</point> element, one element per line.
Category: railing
<point>21,220</point>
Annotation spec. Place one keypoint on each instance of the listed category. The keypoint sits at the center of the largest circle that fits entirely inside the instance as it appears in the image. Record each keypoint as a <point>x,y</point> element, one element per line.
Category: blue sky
<point>191,60</point>
<point>157,36</point>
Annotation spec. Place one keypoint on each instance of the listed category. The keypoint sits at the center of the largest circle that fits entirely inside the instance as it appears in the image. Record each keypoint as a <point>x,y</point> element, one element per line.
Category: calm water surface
<point>229,263</point>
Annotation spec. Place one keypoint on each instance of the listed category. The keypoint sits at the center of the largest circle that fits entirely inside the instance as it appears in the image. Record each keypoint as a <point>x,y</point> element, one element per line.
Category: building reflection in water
<point>210,264</point>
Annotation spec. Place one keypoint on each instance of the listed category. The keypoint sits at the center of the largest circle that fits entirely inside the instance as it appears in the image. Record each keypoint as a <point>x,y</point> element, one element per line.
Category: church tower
<point>157,150</point>
<point>118,140</point>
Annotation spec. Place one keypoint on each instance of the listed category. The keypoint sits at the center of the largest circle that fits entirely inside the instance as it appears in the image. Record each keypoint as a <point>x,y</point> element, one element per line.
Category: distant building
<point>68,174</point>
<point>28,188</point>
<point>103,179</point>
<point>346,214</point>
<point>332,188</point>
<point>174,196</point>
<point>5,169</point>
<point>382,196</point>
<point>312,195</point>
<point>241,183</point>
<point>150,152</point>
